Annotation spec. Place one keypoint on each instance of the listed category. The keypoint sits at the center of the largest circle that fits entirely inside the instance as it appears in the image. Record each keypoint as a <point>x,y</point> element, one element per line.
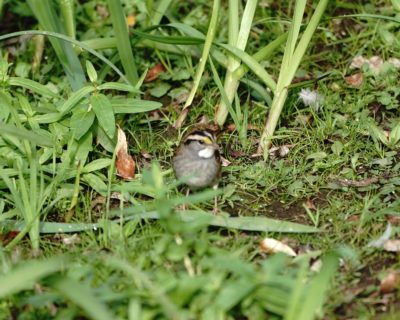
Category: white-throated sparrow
<point>197,159</point>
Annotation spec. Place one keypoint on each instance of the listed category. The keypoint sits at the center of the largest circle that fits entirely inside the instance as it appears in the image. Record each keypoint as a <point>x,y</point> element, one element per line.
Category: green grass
<point>126,252</point>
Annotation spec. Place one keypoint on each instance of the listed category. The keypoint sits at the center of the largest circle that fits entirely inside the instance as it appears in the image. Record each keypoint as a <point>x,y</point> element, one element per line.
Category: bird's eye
<point>201,141</point>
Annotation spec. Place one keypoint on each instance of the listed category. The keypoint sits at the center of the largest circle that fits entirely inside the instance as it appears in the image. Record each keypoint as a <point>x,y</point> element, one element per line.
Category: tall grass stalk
<point>49,20</point>
<point>120,27</point>
<point>236,38</point>
<point>290,63</point>
<point>202,63</point>
<point>67,12</point>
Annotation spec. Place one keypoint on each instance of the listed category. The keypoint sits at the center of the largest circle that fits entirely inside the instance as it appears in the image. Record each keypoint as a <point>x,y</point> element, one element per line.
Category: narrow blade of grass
<point>240,223</point>
<point>120,26</point>
<point>212,28</point>
<point>48,19</point>
<point>70,40</point>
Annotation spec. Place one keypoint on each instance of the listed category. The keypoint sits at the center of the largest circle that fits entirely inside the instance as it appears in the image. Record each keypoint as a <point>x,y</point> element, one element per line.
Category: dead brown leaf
<point>391,282</point>
<point>154,72</point>
<point>225,162</point>
<point>270,245</point>
<point>310,204</point>
<point>232,127</point>
<point>375,63</point>
<point>355,80</point>
<point>354,218</point>
<point>393,219</point>
<point>280,151</point>
<point>357,62</point>
<point>303,119</point>
<point>124,163</point>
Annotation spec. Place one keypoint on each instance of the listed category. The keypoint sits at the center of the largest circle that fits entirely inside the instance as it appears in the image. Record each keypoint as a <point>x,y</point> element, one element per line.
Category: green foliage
<point>77,241</point>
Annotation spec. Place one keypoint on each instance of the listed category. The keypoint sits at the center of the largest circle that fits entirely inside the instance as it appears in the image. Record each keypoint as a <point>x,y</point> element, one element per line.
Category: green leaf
<point>337,148</point>
<point>48,117</point>
<point>84,297</point>
<point>233,292</point>
<point>120,29</point>
<point>96,165</point>
<point>81,121</point>
<point>74,99</point>
<point>240,223</point>
<point>394,136</point>
<point>85,145</point>
<point>32,85</point>
<point>132,106</point>
<point>160,89</point>
<point>25,275</point>
<point>95,183</point>
<point>104,113</point>
<point>67,39</point>
<point>45,12</point>
<point>118,86</point>
<point>21,133</point>
<point>91,71</point>
<point>317,292</point>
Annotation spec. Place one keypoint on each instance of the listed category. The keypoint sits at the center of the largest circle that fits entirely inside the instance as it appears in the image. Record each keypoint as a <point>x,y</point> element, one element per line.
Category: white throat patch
<point>206,153</point>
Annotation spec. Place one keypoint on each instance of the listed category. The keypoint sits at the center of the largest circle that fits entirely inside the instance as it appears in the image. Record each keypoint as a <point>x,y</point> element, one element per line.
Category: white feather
<point>206,153</point>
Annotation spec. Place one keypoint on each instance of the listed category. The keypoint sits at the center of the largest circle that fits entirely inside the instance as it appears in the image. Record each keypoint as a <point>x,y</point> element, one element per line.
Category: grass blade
<point>70,40</point>
<point>123,44</point>
<point>203,60</point>
<point>45,13</point>
<point>240,223</point>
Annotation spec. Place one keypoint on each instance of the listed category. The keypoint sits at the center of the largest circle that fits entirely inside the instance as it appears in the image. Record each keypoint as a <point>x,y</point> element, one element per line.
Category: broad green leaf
<point>5,105</point>
<point>160,89</point>
<point>132,106</point>
<point>81,121</point>
<point>74,99</point>
<point>85,145</point>
<point>318,289</point>
<point>233,292</point>
<point>84,297</point>
<point>48,117</point>
<point>31,85</point>
<point>91,71</point>
<point>21,133</point>
<point>24,276</point>
<point>95,183</point>
<point>118,86</point>
<point>104,113</point>
<point>96,165</point>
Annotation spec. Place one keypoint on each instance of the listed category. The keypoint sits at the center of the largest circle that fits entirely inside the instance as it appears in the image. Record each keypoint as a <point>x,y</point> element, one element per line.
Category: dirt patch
<point>293,212</point>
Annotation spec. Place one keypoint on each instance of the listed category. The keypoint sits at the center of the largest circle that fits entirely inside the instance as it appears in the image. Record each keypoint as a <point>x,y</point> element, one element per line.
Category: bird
<point>197,160</point>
